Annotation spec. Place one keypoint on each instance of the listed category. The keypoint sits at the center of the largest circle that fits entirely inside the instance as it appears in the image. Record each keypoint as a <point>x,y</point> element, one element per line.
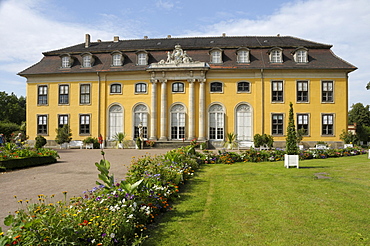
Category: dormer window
<point>67,61</point>
<point>300,55</point>
<point>242,55</point>
<point>142,58</point>
<point>117,59</point>
<point>276,55</point>
<point>87,60</point>
<point>216,55</point>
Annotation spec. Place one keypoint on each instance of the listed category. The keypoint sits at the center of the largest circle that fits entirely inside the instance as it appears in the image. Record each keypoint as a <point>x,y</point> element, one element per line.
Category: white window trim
<point>141,92</point>
<point>115,93</point>
<point>238,56</point>
<point>178,92</point>
<point>271,56</point>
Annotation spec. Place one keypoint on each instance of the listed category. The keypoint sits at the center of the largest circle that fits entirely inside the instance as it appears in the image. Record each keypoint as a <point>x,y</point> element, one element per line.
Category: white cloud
<point>342,23</point>
<point>164,4</point>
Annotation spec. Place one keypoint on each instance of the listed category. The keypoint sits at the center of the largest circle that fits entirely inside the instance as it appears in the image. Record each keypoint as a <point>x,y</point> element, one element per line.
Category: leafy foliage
<point>291,139</point>
<point>40,142</point>
<point>13,109</point>
<point>64,135</point>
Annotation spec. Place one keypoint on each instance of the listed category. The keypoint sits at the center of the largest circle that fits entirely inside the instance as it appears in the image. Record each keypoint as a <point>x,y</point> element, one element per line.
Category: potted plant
<point>89,142</point>
<point>120,139</point>
<point>291,158</point>
<point>64,136</point>
<point>231,141</point>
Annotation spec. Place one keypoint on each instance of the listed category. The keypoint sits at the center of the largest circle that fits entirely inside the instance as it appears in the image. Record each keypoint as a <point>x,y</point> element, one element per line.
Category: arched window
<point>243,55</point>
<point>216,55</point>
<point>141,117</point>
<point>244,122</point>
<point>178,122</point>
<point>117,59</point>
<point>276,55</point>
<point>216,122</point>
<point>115,120</point>
<point>87,60</point>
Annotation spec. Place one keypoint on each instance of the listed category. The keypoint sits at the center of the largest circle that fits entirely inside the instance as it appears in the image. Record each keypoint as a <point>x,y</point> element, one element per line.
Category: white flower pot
<point>291,161</point>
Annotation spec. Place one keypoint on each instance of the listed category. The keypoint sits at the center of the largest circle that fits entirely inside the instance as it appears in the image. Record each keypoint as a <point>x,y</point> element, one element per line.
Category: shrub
<point>40,142</point>
<point>64,135</point>
<point>7,128</point>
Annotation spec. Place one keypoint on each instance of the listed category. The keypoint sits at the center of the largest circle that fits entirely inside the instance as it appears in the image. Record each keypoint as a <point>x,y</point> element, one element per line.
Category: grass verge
<point>326,202</point>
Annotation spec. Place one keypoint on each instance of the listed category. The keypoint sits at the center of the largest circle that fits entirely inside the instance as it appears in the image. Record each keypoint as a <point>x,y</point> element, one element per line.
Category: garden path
<point>74,172</point>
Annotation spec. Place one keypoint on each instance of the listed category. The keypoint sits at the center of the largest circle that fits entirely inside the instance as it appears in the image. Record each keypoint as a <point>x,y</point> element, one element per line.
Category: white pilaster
<point>163,123</point>
<point>191,133</point>
<point>153,113</point>
<point>202,109</point>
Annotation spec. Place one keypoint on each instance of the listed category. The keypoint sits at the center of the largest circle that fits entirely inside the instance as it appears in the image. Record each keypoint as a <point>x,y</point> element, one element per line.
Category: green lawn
<point>325,202</point>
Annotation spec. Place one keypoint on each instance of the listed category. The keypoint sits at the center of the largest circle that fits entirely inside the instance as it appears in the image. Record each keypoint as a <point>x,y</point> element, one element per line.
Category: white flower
<point>112,235</point>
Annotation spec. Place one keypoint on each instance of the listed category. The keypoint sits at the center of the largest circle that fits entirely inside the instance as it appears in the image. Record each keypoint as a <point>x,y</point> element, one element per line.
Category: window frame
<point>325,128</point>
<point>213,87</point>
<point>307,124</point>
<point>301,56</point>
<point>276,55</point>
<point>302,93</point>
<point>117,59</point>
<point>327,94</point>
<point>218,134</point>
<point>62,96</point>
<point>277,128</point>
<point>115,85</point>
<point>84,129</point>
<point>85,94</point>
<point>243,59</point>
<point>216,56</point>
<point>238,87</point>
<point>142,58</point>
<point>87,60</point>
<point>42,129</point>
<point>141,111</point>
<point>277,96</point>
<point>178,89</point>
<point>42,98</point>
<point>63,117</point>
<point>141,88</point>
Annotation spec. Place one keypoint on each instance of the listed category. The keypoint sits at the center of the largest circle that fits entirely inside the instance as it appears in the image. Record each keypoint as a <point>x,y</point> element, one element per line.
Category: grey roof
<point>320,55</point>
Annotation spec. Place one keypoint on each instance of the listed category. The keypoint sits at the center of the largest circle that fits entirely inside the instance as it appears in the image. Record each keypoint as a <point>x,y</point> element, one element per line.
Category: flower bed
<point>12,157</point>
<point>111,213</point>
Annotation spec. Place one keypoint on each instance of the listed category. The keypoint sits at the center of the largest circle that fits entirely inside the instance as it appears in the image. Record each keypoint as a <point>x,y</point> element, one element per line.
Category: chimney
<point>99,40</point>
<point>87,40</point>
<point>168,36</point>
<point>116,39</point>
<point>223,34</point>
<point>145,37</point>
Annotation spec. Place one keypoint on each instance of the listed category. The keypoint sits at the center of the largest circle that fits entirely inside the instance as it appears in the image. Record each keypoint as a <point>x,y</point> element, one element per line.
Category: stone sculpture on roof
<point>177,56</point>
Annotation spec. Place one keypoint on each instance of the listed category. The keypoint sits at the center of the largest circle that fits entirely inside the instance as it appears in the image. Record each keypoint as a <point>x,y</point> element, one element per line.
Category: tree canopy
<point>13,109</point>
<point>360,115</point>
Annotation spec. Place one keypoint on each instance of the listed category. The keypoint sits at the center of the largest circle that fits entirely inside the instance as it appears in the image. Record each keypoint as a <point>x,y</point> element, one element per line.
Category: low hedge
<point>26,162</point>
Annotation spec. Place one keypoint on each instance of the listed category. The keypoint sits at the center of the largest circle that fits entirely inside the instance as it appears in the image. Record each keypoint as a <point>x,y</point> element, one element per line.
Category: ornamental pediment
<point>177,58</point>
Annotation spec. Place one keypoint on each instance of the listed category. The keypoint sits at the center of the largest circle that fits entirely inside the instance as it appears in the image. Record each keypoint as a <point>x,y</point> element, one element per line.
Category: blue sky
<point>30,27</point>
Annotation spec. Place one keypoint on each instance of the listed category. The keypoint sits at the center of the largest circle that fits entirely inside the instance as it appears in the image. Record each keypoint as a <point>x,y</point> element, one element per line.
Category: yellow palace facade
<point>181,89</point>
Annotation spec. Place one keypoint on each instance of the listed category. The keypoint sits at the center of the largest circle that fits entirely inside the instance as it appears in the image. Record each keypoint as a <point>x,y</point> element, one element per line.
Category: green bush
<point>7,128</point>
<point>40,142</point>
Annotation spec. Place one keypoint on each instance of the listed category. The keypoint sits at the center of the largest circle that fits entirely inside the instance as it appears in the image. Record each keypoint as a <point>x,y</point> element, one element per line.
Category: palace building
<point>179,89</point>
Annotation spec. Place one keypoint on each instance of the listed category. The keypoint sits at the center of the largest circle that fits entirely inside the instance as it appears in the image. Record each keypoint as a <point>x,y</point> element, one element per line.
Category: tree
<point>291,139</point>
<point>368,86</point>
<point>360,115</point>
<point>13,109</point>
<point>64,135</point>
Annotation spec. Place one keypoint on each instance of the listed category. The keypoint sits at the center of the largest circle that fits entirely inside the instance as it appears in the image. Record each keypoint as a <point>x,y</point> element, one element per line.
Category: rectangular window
<point>327,91</point>
<point>216,87</point>
<point>302,91</point>
<point>140,88</point>
<point>327,124</point>
<point>141,59</point>
<point>243,56</point>
<point>42,124</point>
<point>277,124</point>
<point>42,96</point>
<point>178,87</point>
<point>243,86</point>
<point>277,91</point>
<point>86,61</point>
<point>302,123</point>
<point>63,94</point>
<point>85,94</point>
<point>216,126</point>
<point>84,124</point>
<point>62,120</point>
<point>216,57</point>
